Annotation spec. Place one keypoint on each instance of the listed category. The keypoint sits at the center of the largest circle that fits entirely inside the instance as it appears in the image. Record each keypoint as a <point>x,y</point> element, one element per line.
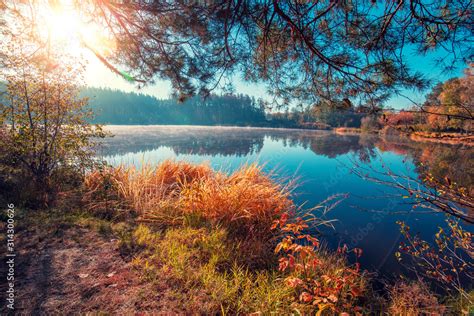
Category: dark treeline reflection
<point>454,161</point>
<point>227,141</point>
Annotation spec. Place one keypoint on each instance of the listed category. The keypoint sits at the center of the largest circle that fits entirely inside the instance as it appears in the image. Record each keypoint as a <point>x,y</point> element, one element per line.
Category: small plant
<point>413,299</point>
<point>448,262</point>
<point>320,281</point>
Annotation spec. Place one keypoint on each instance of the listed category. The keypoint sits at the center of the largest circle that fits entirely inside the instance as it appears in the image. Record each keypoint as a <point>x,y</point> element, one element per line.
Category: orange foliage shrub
<point>396,119</point>
<point>321,281</point>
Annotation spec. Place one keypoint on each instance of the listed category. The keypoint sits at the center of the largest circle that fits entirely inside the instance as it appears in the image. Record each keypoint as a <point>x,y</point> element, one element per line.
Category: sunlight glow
<point>65,28</point>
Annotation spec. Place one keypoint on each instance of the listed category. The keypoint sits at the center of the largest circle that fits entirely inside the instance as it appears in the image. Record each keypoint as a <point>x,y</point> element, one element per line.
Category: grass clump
<point>175,193</point>
<point>140,190</point>
<point>247,201</point>
<point>248,195</point>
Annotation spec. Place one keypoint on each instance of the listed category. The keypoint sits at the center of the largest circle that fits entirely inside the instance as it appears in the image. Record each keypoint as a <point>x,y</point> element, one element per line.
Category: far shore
<point>445,138</point>
<point>224,127</point>
<point>434,137</point>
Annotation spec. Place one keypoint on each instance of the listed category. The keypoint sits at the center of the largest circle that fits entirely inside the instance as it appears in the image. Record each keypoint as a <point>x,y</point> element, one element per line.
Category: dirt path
<point>77,271</point>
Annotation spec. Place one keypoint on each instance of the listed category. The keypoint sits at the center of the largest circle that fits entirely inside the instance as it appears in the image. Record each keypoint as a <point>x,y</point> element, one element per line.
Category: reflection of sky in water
<point>321,163</point>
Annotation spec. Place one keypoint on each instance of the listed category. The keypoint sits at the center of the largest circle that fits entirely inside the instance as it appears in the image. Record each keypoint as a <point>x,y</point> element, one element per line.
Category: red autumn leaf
<point>358,252</point>
<point>291,261</point>
<point>356,291</point>
<point>283,265</point>
<point>306,297</point>
<point>294,282</point>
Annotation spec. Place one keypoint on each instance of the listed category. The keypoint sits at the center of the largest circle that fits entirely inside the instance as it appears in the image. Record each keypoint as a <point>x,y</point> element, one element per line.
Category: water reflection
<point>318,157</point>
<point>456,162</point>
<point>228,141</point>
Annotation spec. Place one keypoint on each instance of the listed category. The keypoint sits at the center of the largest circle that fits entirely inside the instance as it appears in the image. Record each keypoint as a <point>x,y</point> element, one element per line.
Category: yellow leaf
<point>322,307</point>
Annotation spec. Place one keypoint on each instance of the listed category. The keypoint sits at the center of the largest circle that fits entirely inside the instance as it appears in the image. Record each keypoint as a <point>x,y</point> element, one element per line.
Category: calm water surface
<point>323,162</point>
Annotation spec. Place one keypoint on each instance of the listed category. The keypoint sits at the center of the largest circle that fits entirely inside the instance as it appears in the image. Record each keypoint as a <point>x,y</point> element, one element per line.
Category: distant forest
<point>123,108</point>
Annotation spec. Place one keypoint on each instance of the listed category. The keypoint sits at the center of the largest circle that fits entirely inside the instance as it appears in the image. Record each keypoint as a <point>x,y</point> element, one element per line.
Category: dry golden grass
<point>246,202</point>
<point>247,198</point>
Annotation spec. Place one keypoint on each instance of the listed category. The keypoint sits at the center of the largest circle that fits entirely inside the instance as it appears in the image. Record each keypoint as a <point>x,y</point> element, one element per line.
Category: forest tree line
<point>122,108</point>
<point>111,106</point>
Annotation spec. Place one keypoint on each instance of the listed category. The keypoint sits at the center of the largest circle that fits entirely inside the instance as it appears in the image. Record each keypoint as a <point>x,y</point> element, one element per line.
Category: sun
<point>66,28</point>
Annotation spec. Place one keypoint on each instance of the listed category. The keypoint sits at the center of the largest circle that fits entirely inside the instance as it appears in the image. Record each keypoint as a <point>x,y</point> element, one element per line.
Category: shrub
<point>43,121</point>
<point>321,281</point>
<point>369,124</point>
<point>412,299</point>
<point>447,261</point>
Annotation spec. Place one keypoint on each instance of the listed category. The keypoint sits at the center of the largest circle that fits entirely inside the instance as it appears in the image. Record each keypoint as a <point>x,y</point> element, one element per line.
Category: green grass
<point>200,264</point>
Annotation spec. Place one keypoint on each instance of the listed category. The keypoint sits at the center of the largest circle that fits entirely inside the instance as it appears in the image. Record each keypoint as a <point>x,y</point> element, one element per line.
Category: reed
<point>246,201</point>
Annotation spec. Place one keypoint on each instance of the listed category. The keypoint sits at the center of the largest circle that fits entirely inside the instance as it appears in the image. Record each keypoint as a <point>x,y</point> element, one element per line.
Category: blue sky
<point>98,75</point>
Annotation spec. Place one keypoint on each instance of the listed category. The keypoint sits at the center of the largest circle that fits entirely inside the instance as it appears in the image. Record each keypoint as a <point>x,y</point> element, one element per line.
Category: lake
<point>322,161</point>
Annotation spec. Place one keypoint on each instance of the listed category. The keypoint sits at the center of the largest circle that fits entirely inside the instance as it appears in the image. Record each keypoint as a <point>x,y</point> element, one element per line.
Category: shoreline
<point>432,137</point>
<point>222,127</point>
<point>443,138</point>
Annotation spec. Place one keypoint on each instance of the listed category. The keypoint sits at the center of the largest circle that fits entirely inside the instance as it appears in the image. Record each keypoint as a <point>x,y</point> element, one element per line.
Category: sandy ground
<point>78,271</point>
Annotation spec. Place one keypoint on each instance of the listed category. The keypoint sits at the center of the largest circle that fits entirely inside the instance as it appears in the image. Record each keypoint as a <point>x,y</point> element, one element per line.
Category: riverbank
<point>182,238</point>
<point>434,137</point>
<point>444,138</point>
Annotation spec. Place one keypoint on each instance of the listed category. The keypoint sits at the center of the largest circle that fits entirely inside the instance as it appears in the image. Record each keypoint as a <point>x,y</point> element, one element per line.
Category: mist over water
<point>322,162</point>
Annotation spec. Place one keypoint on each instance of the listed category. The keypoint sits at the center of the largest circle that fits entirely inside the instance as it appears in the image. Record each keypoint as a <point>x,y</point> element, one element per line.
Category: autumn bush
<point>322,281</point>
<point>413,299</point>
<point>402,119</point>
<point>447,261</point>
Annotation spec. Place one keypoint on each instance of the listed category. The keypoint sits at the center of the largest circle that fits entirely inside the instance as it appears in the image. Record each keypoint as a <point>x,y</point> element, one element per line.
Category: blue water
<point>323,163</point>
